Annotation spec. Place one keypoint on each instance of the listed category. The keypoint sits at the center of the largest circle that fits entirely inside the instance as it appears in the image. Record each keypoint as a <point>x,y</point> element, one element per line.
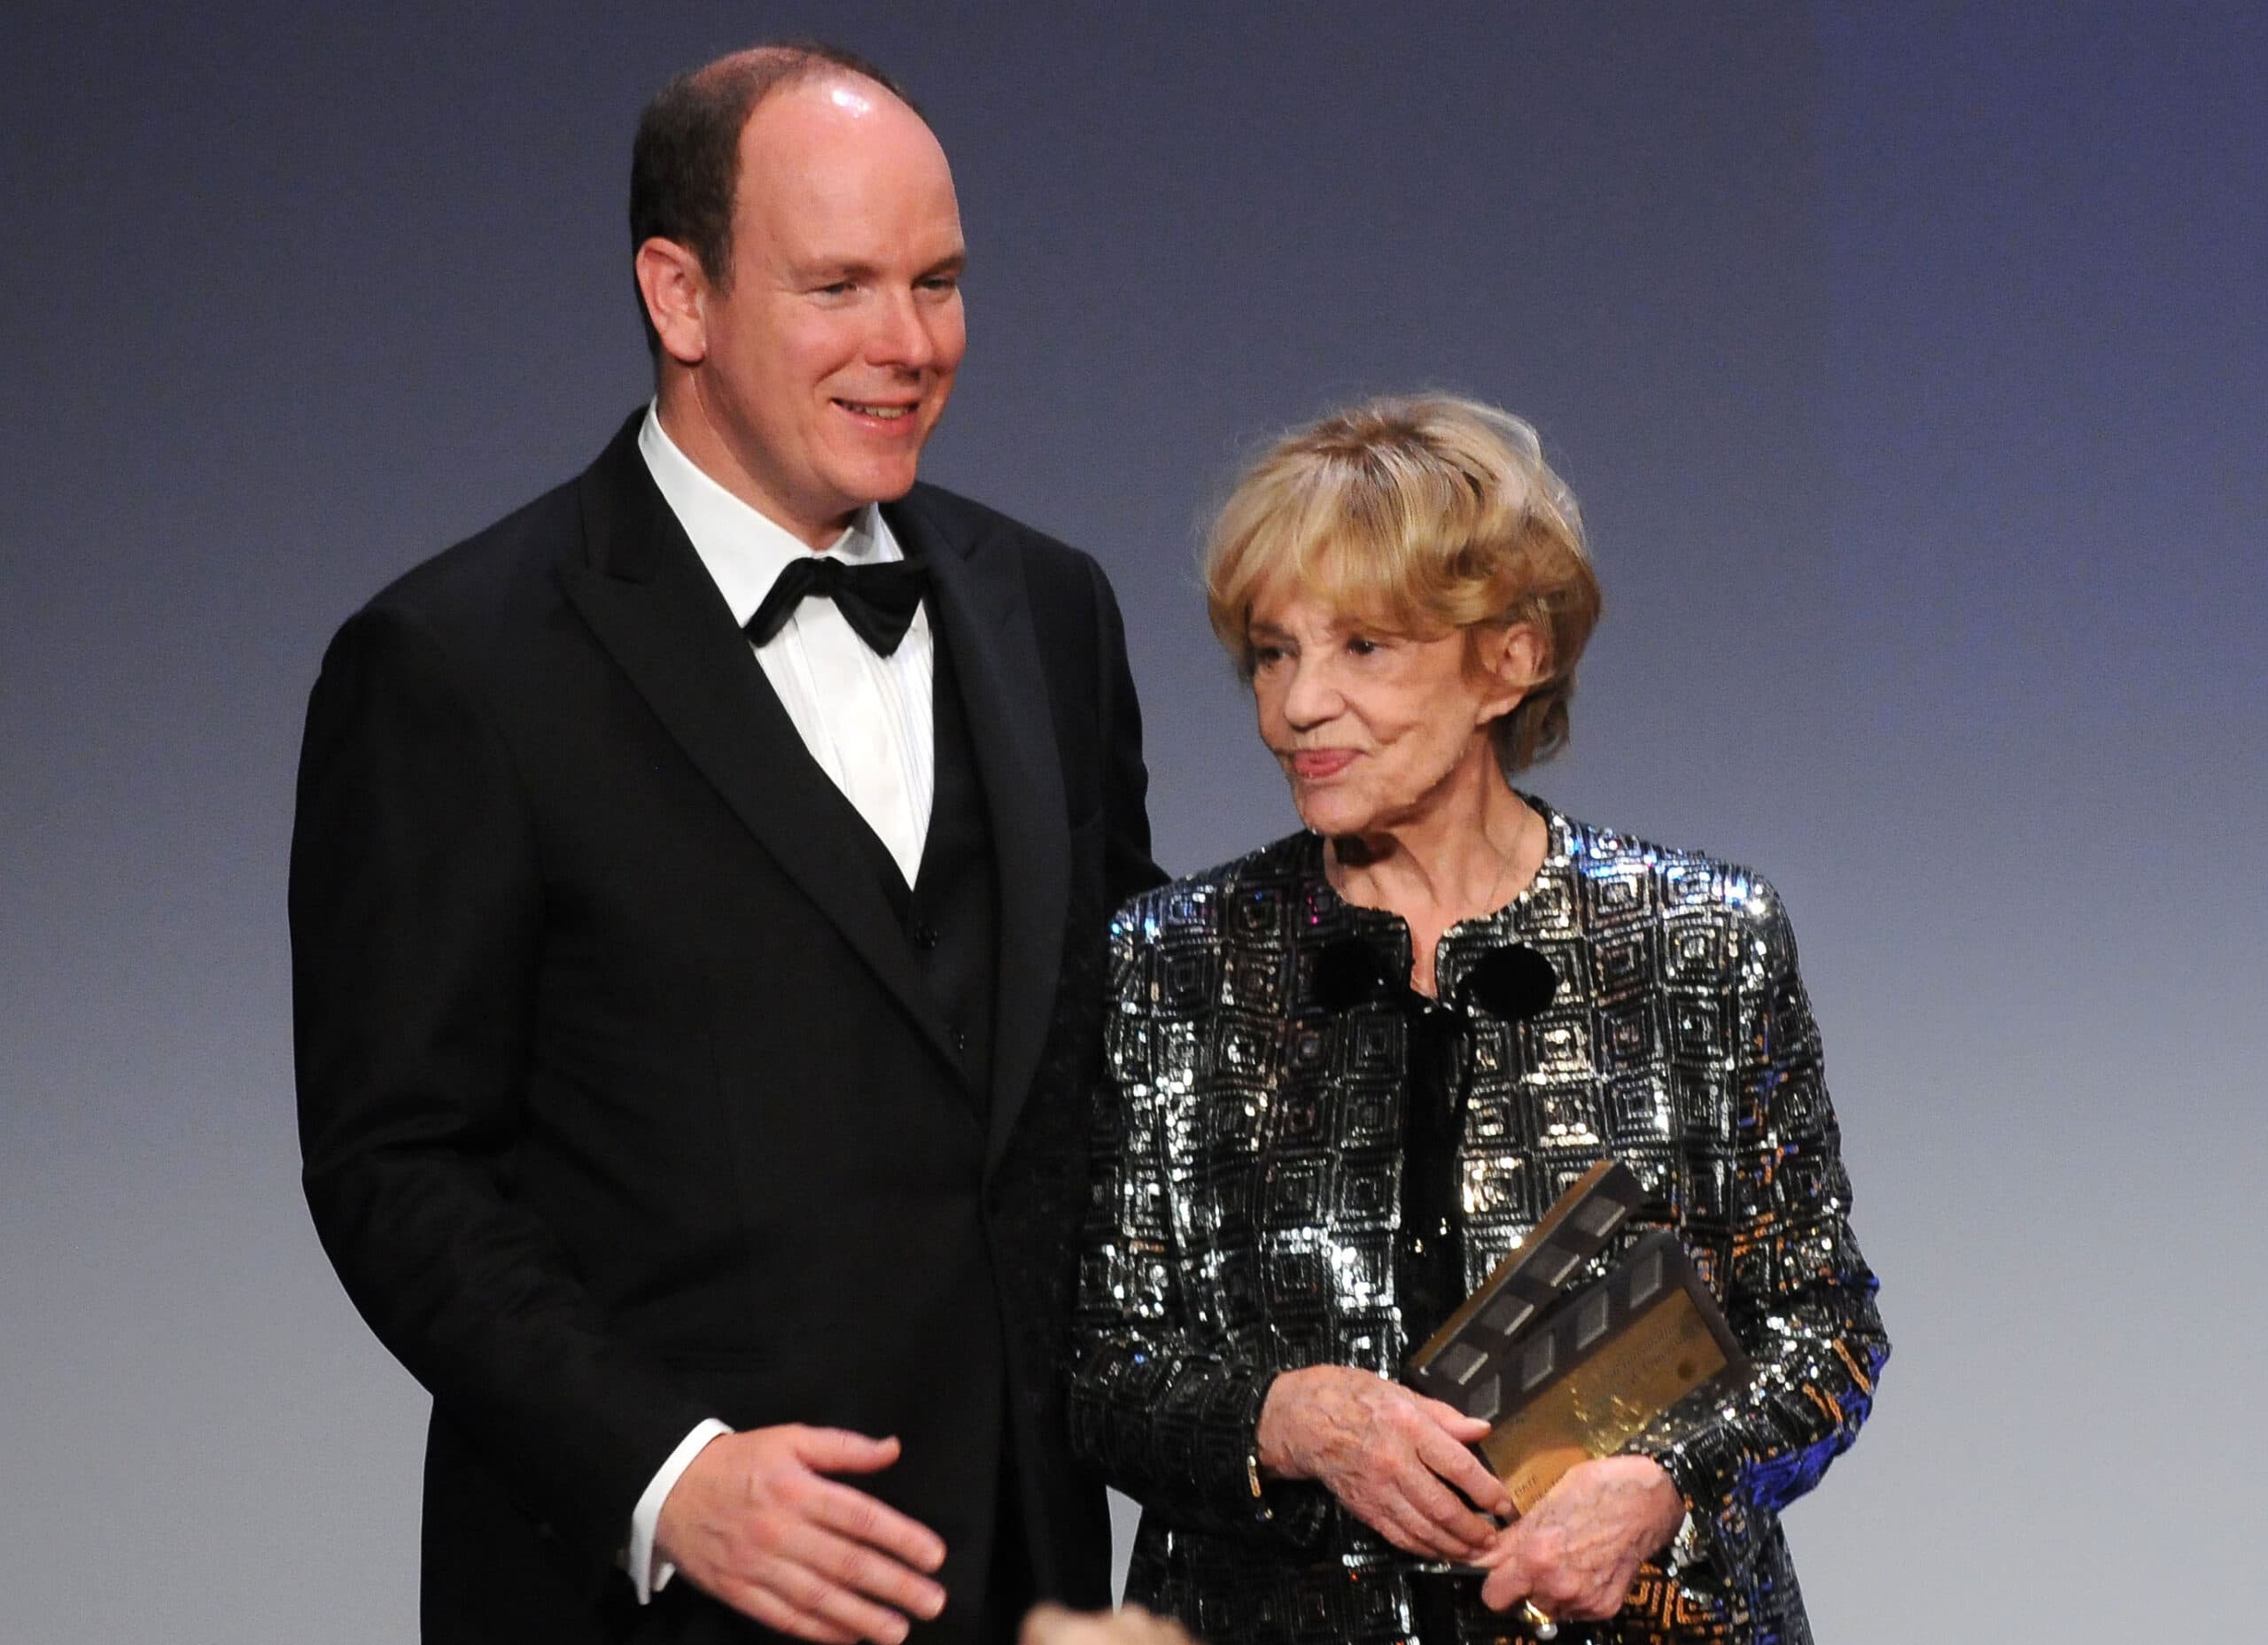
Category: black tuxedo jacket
<point>622,1103</point>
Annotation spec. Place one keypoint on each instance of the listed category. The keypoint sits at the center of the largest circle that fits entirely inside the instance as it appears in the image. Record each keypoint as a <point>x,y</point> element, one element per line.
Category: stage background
<point>1910,361</point>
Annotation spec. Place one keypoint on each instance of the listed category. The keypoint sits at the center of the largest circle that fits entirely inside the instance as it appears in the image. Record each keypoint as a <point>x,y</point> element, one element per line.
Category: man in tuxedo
<point>697,902</point>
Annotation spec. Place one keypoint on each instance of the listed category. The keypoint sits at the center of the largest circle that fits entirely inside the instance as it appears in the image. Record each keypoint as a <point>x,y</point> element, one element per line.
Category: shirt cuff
<point>648,1575</point>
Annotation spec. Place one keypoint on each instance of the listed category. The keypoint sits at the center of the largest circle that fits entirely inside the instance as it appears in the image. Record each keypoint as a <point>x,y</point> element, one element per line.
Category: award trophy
<point>1566,1375</point>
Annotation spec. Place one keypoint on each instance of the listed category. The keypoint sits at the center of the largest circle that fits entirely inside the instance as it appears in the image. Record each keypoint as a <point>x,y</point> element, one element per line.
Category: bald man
<point>697,902</point>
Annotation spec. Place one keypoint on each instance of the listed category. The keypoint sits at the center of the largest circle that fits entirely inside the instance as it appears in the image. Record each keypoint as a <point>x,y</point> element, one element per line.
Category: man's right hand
<point>754,1522</point>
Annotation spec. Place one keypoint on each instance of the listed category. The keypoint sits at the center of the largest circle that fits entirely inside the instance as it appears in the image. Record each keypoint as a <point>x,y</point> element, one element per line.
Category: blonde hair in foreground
<point>1424,515</point>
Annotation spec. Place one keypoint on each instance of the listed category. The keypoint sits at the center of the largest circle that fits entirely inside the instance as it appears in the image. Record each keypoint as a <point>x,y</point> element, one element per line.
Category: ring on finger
<point>1538,1620</point>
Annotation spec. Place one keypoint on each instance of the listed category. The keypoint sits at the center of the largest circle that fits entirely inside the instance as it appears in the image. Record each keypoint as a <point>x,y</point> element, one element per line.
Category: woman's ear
<point>1515,659</point>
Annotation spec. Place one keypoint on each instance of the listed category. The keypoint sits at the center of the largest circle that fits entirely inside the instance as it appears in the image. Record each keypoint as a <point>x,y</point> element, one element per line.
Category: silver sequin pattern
<point>1247,1196</point>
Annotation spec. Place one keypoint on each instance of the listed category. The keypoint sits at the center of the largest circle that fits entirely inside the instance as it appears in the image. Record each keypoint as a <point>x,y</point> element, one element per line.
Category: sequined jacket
<point>1246,1195</point>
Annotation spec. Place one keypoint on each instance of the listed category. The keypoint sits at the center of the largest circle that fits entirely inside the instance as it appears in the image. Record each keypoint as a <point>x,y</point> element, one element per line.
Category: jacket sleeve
<point>417,916</point>
<point>1128,867</point>
<point>1796,1290</point>
<point>1163,1406</point>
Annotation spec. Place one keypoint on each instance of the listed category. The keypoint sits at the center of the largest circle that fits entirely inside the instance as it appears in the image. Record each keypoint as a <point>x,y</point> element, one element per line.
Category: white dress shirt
<point>866,719</point>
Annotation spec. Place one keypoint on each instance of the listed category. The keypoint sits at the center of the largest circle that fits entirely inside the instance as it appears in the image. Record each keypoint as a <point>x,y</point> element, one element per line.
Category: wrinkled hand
<point>1576,1553</point>
<point>1052,1624</point>
<point>755,1523</point>
<point>1390,1456</point>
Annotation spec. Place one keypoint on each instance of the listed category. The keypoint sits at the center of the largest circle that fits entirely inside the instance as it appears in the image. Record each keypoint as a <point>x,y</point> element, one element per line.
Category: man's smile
<point>885,411</point>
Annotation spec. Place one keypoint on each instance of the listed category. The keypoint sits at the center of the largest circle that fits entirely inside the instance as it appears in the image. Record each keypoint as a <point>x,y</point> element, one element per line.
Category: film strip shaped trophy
<point>1566,1375</point>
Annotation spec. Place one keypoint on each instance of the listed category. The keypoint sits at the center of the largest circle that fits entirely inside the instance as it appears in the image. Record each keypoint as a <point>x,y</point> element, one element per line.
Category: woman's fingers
<point>1464,1430</point>
<point>1507,1584</point>
<point>1405,1510</point>
<point>1396,1459</point>
<point>1578,1550</point>
<point>1395,1518</point>
<point>1454,1463</point>
<point>1462,1532</point>
<point>1376,1498</point>
<point>1444,1481</point>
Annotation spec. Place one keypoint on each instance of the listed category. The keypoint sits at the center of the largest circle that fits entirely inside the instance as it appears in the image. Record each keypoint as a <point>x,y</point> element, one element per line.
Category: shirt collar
<point>743,550</point>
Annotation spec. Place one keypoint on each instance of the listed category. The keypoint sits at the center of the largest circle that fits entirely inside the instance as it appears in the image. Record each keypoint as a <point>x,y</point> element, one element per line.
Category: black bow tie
<point>877,600</point>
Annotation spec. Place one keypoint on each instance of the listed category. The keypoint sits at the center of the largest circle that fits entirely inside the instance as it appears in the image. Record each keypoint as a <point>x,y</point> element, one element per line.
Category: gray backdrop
<point>1910,361</point>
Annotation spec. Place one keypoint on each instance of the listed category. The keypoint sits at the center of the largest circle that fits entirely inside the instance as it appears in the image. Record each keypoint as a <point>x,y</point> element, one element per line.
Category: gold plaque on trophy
<point>1567,1375</point>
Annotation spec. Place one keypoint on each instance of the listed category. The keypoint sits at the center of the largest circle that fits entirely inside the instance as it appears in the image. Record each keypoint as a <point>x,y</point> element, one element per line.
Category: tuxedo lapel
<point>984,623</point>
<point>654,609</point>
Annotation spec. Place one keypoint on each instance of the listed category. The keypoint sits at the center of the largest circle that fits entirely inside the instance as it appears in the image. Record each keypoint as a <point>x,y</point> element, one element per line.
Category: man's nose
<point>903,335</point>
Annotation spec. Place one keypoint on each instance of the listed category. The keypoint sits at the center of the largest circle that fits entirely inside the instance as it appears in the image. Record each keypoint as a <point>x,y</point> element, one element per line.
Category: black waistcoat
<point>950,915</point>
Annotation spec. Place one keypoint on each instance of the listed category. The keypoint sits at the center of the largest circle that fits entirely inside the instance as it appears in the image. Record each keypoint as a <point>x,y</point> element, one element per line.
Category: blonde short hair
<point>1426,515</point>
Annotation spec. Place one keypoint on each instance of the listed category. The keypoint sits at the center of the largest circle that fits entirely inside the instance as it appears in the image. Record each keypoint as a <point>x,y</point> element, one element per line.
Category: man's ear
<point>670,280</point>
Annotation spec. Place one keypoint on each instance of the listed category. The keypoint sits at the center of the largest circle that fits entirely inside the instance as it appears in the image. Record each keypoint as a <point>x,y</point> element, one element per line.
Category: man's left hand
<point>1576,1554</point>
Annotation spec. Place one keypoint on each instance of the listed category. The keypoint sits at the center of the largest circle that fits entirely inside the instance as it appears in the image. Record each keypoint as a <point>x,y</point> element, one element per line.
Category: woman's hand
<point>1389,1454</point>
<point>1576,1553</point>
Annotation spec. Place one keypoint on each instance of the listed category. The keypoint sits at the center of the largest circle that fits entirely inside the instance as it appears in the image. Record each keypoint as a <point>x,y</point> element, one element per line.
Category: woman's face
<point>1376,729</point>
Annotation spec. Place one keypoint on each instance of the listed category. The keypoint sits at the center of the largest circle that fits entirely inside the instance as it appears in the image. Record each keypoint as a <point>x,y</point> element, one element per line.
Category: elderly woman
<point>1298,1176</point>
